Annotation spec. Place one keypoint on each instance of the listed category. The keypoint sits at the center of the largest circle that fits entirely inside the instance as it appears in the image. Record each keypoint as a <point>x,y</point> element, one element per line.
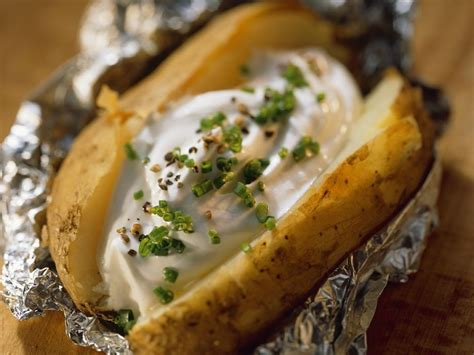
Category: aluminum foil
<point>121,41</point>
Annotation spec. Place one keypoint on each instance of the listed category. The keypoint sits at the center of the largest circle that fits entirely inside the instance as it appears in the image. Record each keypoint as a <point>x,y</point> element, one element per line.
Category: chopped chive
<point>160,245</point>
<point>158,233</point>
<point>210,122</point>
<point>233,138</point>
<point>214,236</point>
<point>170,274</point>
<point>189,163</point>
<point>125,320</point>
<point>261,211</point>
<point>164,295</point>
<point>226,164</point>
<point>320,97</point>
<point>254,169</point>
<point>244,70</point>
<point>248,89</point>
<point>278,106</point>
<point>245,194</point>
<point>146,160</point>
<point>177,245</point>
<point>261,186</point>
<point>294,76</point>
<point>138,195</point>
<point>206,166</point>
<point>240,189</point>
<point>130,152</point>
<point>245,247</point>
<point>306,147</point>
<point>182,157</point>
<point>202,188</point>
<point>146,247</point>
<point>283,152</point>
<point>270,223</point>
<point>222,179</point>
<point>179,220</point>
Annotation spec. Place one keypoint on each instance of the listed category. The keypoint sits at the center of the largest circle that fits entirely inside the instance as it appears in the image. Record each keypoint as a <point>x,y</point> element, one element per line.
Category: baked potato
<point>380,165</point>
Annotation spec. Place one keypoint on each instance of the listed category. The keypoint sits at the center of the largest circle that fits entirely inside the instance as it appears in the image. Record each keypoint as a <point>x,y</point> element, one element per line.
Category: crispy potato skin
<point>232,306</point>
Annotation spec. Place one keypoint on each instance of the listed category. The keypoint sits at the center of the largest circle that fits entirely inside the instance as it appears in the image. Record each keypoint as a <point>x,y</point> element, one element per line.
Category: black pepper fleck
<point>146,207</point>
<point>269,134</point>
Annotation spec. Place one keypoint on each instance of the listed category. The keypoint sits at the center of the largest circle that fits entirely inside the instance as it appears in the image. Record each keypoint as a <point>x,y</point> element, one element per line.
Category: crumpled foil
<point>121,41</point>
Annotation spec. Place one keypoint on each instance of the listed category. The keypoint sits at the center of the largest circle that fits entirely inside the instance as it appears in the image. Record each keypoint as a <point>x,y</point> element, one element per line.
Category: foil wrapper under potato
<point>123,40</point>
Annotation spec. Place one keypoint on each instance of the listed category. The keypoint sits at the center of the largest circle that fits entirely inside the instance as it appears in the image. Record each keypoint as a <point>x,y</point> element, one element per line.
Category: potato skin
<point>232,306</point>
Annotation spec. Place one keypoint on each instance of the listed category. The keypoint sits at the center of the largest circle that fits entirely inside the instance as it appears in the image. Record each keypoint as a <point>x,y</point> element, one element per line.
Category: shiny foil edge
<point>121,34</point>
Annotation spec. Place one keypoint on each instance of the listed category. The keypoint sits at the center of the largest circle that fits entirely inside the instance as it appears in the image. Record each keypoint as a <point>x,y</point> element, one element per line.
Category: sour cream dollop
<point>324,110</point>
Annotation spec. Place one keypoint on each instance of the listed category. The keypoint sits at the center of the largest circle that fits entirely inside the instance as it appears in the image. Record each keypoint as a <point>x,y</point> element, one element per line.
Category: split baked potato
<point>383,163</point>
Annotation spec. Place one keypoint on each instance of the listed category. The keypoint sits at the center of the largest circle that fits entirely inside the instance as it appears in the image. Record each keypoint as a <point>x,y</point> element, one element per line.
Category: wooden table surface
<point>431,314</point>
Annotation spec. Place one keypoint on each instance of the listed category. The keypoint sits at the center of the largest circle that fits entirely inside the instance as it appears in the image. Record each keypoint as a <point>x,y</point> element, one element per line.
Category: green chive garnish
<point>254,169</point>
<point>261,186</point>
<point>245,247</point>
<point>179,220</point>
<point>226,164</point>
<point>233,138</point>
<point>210,122</point>
<point>222,179</point>
<point>164,295</point>
<point>170,274</point>
<point>261,211</point>
<point>214,236</point>
<point>146,247</point>
<point>125,320</point>
<point>202,188</point>
<point>159,242</point>
<point>306,147</point>
<point>294,76</point>
<point>283,152</point>
<point>248,89</point>
<point>270,223</point>
<point>189,163</point>
<point>320,97</point>
<point>158,233</point>
<point>245,194</point>
<point>138,195</point>
<point>278,106</point>
<point>206,166</point>
<point>130,152</point>
<point>146,160</point>
<point>244,70</point>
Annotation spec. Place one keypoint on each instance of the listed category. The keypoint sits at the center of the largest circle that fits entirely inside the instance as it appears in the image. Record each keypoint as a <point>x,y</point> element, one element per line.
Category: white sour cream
<point>129,280</point>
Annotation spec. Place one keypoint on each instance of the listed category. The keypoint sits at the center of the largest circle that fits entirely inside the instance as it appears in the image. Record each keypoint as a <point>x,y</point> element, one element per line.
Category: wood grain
<point>433,313</point>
